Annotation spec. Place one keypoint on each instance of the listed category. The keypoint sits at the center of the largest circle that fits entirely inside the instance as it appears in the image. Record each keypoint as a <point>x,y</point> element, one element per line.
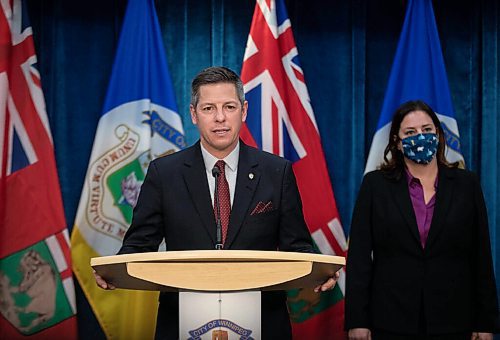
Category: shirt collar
<point>409,177</point>
<point>414,180</point>
<point>231,159</point>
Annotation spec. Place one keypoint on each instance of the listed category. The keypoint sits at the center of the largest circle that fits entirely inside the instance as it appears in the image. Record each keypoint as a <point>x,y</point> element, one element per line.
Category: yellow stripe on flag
<point>123,314</point>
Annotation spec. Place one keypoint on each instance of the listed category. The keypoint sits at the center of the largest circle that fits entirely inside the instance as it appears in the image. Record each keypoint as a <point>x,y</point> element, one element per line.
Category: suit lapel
<point>444,195</point>
<point>402,198</point>
<point>246,182</point>
<point>196,182</point>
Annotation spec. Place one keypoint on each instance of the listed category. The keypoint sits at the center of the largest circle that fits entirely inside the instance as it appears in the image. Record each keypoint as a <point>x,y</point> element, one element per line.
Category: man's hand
<point>328,284</point>
<point>481,336</point>
<point>359,334</point>
<point>101,282</point>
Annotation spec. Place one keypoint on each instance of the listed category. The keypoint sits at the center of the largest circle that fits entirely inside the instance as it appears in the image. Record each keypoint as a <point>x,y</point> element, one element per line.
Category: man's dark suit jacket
<point>175,204</point>
<point>451,279</point>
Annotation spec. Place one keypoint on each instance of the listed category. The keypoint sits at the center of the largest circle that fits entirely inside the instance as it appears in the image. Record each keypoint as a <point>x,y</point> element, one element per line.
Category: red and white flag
<point>36,286</point>
<point>281,120</point>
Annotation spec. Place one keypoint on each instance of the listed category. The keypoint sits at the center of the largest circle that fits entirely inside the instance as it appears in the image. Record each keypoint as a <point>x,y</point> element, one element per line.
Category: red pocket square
<point>262,207</point>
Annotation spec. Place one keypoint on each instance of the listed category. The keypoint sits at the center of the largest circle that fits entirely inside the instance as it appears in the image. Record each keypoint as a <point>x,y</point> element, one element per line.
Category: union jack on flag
<point>18,65</point>
<point>281,120</point>
<point>37,290</point>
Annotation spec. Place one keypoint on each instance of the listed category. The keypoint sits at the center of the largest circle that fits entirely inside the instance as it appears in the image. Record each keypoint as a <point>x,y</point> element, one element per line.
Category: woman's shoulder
<point>373,174</point>
<point>379,175</point>
<point>461,174</point>
<point>376,178</point>
<point>462,178</point>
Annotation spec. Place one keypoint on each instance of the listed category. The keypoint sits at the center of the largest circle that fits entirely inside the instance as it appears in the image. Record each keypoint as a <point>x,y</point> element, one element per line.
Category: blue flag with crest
<point>139,123</point>
<point>418,72</point>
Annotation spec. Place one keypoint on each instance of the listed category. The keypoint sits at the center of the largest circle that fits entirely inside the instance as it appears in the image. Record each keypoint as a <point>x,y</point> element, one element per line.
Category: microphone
<point>216,174</point>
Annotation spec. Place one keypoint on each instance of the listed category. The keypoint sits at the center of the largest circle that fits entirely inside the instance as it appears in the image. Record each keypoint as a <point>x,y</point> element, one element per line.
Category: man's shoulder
<point>264,156</point>
<point>177,158</point>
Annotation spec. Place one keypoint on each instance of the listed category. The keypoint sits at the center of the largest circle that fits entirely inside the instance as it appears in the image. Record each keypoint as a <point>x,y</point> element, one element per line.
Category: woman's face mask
<point>420,148</point>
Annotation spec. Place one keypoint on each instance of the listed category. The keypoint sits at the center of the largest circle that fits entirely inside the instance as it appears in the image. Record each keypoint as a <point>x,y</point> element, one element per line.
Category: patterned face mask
<point>420,148</point>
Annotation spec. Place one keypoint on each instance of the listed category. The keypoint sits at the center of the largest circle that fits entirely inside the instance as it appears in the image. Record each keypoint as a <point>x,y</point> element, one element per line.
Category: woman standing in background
<point>419,264</point>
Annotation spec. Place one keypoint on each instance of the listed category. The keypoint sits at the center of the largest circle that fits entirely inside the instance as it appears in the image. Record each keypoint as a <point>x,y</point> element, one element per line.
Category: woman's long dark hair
<point>394,165</point>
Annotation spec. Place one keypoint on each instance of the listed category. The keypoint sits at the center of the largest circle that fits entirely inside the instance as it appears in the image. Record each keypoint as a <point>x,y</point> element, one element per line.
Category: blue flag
<point>418,72</point>
<point>139,122</point>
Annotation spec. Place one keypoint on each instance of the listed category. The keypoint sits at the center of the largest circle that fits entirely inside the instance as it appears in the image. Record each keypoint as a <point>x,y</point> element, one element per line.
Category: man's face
<point>218,116</point>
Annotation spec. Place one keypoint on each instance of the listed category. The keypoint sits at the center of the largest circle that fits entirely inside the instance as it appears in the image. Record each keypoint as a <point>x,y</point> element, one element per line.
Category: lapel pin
<point>251,175</point>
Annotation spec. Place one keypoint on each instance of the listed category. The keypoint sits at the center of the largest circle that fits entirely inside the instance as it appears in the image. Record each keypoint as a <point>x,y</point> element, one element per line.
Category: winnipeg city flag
<point>418,72</point>
<point>139,122</point>
<point>281,120</point>
<point>37,295</point>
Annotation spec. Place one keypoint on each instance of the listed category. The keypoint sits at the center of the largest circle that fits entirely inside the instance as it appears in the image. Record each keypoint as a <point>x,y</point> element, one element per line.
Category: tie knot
<point>222,166</point>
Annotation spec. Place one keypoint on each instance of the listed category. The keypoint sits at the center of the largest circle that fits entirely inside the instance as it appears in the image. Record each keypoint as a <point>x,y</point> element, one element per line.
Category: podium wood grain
<point>217,270</point>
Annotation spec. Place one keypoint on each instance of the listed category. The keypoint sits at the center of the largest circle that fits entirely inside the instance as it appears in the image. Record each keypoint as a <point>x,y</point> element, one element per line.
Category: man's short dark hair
<point>216,75</point>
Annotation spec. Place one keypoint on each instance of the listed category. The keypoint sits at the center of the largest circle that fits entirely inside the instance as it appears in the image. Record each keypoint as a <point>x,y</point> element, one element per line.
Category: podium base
<point>219,316</point>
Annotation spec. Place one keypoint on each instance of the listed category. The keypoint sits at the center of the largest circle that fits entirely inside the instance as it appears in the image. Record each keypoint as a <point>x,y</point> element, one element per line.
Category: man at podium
<point>220,194</point>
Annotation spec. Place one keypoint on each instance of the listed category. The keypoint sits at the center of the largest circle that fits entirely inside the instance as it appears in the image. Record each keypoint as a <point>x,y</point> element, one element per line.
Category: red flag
<point>36,285</point>
<point>281,120</point>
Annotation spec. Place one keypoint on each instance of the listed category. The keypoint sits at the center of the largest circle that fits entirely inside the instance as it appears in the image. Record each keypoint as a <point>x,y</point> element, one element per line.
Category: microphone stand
<point>216,174</point>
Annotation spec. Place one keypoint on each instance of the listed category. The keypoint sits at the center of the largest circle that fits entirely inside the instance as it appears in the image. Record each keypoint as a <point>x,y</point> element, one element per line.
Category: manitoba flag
<point>37,297</point>
<point>281,120</point>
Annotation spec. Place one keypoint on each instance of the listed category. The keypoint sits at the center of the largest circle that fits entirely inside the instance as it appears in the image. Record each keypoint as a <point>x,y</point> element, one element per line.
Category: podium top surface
<point>217,256</point>
<point>216,270</point>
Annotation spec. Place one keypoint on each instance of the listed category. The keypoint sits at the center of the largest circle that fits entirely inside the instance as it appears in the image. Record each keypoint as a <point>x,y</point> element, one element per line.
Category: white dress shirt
<point>231,169</point>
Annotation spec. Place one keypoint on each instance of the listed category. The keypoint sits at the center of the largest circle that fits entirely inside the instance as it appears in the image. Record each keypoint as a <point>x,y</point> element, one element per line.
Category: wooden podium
<point>215,273</point>
<point>216,270</point>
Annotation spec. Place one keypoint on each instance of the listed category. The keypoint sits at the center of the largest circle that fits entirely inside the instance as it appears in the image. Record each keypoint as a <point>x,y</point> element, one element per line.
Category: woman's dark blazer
<point>390,278</point>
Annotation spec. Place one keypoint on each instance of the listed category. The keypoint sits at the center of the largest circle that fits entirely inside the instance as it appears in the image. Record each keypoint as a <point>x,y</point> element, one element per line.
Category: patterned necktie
<point>224,200</point>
